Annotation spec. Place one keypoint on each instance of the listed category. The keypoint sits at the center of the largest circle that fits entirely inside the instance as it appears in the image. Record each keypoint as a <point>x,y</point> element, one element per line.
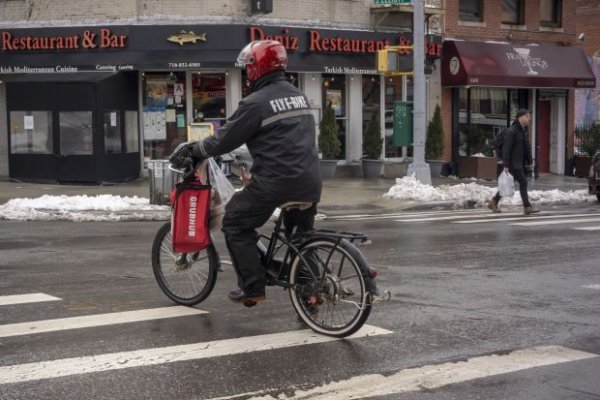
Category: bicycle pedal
<point>250,303</point>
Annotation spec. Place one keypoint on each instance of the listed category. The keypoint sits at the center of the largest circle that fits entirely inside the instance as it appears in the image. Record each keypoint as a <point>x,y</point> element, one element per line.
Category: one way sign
<point>262,6</point>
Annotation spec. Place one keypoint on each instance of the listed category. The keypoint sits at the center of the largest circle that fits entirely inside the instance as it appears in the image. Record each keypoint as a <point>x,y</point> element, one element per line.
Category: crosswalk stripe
<point>487,216</point>
<point>400,215</point>
<point>26,298</point>
<point>162,355</point>
<point>429,377</point>
<point>88,321</point>
<point>477,221</point>
<point>588,228</point>
<point>562,221</point>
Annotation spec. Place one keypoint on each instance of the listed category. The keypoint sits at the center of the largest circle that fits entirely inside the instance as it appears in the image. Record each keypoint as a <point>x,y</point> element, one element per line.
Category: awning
<point>512,65</point>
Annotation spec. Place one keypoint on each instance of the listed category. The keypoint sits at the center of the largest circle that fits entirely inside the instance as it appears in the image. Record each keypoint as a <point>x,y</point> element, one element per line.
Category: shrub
<point>329,143</point>
<point>434,144</point>
<point>372,140</point>
<point>587,137</point>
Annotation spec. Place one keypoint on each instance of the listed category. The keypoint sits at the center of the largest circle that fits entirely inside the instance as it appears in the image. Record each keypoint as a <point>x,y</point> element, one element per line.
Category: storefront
<point>181,75</point>
<point>487,83</point>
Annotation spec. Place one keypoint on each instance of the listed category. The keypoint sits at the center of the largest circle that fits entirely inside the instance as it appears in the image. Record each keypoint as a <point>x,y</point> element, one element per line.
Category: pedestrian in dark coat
<point>516,157</point>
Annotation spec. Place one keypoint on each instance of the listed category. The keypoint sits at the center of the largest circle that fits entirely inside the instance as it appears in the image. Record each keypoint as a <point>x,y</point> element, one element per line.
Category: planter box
<point>328,168</point>
<point>435,166</point>
<point>582,166</point>
<point>372,168</point>
<point>395,169</point>
<point>478,167</point>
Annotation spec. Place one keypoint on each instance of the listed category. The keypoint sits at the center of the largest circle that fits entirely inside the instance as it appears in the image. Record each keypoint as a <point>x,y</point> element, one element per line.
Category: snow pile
<point>82,208</point>
<point>473,194</point>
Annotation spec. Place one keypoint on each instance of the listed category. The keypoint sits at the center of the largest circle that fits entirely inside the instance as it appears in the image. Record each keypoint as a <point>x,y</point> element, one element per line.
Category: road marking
<point>487,216</point>
<point>428,377</point>
<point>26,298</point>
<point>591,287</point>
<point>88,321</point>
<point>562,221</point>
<point>401,214</point>
<point>588,228</point>
<point>163,355</point>
<point>477,221</point>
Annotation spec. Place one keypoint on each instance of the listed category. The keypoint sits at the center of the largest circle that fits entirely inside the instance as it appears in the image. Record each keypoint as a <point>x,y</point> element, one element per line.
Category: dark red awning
<point>512,65</point>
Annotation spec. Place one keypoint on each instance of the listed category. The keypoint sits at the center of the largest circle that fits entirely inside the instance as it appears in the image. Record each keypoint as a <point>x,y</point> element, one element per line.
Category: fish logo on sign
<point>187,37</point>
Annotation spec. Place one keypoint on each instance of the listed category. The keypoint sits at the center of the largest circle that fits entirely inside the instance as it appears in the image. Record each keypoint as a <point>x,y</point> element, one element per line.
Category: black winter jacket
<point>276,124</point>
<point>516,150</point>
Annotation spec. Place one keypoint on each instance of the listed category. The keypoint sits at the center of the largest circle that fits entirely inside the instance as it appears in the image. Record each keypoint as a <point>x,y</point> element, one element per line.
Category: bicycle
<point>308,264</point>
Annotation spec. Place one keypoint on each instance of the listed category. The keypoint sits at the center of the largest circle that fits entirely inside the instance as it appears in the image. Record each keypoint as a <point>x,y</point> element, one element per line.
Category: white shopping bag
<point>209,172</point>
<point>506,184</point>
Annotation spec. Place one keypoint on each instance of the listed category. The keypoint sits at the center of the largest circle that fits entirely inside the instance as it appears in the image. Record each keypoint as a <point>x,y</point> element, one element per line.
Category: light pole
<point>419,167</point>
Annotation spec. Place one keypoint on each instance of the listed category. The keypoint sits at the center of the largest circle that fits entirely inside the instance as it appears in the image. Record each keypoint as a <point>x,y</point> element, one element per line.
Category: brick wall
<point>338,12</point>
<point>492,28</point>
<point>588,22</point>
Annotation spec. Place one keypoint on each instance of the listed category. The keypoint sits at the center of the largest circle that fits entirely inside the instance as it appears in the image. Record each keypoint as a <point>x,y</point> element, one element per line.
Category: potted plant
<point>329,143</point>
<point>588,140</point>
<point>372,147</point>
<point>476,163</point>
<point>434,143</point>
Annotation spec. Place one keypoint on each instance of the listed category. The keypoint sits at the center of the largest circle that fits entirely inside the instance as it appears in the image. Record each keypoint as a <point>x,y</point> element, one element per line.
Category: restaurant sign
<point>102,38</point>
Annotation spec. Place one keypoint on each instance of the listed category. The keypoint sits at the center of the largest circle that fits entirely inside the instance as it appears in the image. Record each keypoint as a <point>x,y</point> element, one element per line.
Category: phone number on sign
<point>184,65</point>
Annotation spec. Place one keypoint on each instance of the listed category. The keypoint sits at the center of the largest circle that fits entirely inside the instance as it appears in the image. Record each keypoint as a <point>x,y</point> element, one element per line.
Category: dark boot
<point>493,205</point>
<point>530,210</point>
<point>248,299</point>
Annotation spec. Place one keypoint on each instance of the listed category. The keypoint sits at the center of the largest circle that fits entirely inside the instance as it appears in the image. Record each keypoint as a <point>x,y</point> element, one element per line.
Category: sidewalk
<point>340,196</point>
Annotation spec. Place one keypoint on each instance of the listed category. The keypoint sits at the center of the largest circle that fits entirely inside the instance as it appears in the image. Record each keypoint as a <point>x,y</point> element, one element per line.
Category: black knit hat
<point>521,112</point>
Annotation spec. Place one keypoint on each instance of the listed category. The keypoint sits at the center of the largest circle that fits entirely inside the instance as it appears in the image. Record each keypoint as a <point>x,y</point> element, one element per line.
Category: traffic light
<point>390,61</point>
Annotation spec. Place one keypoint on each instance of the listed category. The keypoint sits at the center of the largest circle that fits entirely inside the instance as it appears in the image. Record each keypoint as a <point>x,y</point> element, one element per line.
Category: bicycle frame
<point>292,249</point>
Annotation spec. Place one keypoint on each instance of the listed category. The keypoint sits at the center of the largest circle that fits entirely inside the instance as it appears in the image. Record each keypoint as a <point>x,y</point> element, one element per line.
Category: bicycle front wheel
<point>186,278</point>
<point>329,291</point>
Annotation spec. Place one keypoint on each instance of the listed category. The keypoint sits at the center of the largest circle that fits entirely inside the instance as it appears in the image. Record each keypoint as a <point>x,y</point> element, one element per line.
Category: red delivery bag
<point>190,230</point>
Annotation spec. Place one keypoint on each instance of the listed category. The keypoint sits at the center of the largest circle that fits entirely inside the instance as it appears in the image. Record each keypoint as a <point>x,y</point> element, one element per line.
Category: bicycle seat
<point>301,205</point>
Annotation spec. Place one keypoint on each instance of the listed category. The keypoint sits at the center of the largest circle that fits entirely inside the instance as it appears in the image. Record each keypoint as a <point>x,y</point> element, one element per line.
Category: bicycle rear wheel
<point>330,293</point>
<point>186,279</point>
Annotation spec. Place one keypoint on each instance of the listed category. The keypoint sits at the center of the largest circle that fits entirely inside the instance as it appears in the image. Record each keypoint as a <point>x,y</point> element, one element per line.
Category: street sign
<point>381,2</point>
<point>403,123</point>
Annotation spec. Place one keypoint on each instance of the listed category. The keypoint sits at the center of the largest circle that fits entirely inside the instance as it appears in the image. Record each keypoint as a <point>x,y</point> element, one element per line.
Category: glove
<point>183,156</point>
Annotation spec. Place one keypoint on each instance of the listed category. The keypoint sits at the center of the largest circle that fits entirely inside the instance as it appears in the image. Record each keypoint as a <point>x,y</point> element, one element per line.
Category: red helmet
<point>261,57</point>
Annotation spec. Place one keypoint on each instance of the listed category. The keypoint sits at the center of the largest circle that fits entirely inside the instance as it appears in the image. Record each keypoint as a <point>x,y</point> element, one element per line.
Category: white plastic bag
<point>506,184</point>
<point>222,191</point>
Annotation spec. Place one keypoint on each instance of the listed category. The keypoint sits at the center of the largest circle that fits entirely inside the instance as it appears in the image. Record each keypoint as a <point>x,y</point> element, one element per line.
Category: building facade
<point>105,86</point>
<point>501,55</point>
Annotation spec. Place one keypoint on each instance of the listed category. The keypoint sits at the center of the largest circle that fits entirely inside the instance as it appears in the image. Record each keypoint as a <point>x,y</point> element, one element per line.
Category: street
<point>484,306</point>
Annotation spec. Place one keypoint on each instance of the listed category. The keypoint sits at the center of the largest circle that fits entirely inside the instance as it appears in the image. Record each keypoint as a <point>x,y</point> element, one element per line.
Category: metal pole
<point>419,167</point>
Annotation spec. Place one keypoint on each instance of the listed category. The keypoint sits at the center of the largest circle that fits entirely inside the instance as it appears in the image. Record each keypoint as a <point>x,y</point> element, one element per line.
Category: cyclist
<point>276,124</point>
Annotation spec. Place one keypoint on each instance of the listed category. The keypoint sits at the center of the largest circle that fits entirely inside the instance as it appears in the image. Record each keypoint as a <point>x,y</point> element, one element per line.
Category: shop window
<point>132,141</point>
<point>208,98</point>
<point>484,109</point>
<point>334,96</point>
<point>470,10</point>
<point>111,124</point>
<point>31,132</point>
<point>551,13</point>
<point>512,12</point>
<point>292,77</point>
<point>164,118</point>
<point>76,133</point>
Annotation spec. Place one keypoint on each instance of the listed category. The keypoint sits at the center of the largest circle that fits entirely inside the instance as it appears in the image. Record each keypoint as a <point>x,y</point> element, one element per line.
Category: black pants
<point>520,177</point>
<point>247,210</point>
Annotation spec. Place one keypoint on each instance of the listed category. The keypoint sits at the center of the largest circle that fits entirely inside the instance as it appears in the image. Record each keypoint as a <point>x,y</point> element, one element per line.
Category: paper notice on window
<point>113,119</point>
<point>171,116</point>
<point>28,122</point>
